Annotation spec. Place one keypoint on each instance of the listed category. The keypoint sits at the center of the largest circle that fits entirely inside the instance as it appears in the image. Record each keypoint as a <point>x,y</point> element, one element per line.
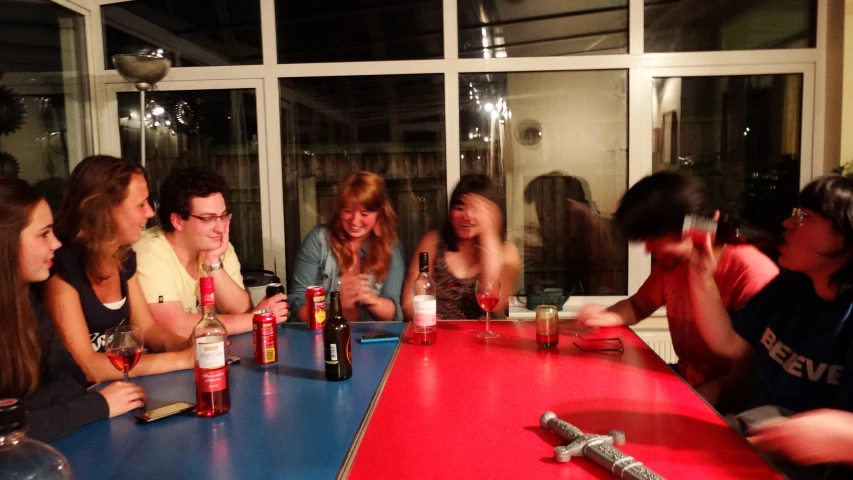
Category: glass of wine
<point>488,295</point>
<point>124,347</point>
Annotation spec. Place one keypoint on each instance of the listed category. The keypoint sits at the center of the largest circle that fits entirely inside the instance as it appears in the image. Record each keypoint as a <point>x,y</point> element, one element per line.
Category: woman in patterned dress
<point>467,248</point>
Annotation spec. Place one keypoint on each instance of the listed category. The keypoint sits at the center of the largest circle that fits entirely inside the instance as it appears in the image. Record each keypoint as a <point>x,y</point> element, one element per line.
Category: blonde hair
<point>368,190</point>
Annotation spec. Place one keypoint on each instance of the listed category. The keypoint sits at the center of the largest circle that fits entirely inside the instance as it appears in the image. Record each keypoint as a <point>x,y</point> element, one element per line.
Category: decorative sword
<point>598,449</point>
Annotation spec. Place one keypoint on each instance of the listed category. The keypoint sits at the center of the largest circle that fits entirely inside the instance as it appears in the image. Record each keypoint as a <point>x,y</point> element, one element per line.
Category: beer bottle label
<point>333,354</point>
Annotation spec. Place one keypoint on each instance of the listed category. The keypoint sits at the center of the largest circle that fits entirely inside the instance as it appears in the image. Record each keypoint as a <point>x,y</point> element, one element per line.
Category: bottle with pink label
<point>423,324</point>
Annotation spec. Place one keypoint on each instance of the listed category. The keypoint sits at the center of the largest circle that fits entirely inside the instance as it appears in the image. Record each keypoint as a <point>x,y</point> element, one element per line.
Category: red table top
<point>469,408</point>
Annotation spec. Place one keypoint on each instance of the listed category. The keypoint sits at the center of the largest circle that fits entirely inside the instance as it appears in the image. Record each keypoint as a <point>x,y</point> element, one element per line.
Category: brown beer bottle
<point>336,342</point>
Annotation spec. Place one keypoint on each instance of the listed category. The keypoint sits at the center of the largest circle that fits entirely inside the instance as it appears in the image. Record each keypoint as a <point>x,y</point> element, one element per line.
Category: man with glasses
<point>799,332</point>
<point>192,241</point>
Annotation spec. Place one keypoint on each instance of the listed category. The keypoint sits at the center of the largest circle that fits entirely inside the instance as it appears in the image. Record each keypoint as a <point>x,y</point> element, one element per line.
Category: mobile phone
<point>160,413</point>
<point>379,337</point>
<point>232,359</point>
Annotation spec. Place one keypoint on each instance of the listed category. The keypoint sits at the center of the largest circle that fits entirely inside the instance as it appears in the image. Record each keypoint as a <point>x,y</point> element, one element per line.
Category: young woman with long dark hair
<point>34,364</point>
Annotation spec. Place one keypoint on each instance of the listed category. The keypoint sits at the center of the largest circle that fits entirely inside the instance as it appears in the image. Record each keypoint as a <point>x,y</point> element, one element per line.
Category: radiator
<point>658,339</point>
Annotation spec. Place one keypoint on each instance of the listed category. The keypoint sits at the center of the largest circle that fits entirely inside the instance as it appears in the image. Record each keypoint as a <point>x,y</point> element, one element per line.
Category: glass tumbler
<point>547,330</point>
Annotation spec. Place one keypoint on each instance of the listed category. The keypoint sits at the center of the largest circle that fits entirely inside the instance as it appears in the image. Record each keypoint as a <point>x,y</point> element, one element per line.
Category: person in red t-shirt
<point>652,212</point>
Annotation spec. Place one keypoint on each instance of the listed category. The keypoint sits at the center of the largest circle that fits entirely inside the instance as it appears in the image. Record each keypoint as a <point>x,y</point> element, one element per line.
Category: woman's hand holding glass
<point>367,295</point>
<point>123,397</point>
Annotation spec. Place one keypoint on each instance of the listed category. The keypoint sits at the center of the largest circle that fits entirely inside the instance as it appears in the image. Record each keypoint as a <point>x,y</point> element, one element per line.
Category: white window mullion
<point>636,27</point>
<point>451,134</point>
<point>639,160</point>
<point>269,44</point>
<point>274,255</point>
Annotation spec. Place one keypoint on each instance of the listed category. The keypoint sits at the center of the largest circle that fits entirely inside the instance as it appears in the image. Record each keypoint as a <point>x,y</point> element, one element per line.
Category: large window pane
<point>358,30</point>
<point>542,28</point>
<point>556,143</point>
<point>214,129</point>
<point>191,34</point>
<point>701,25</point>
<point>44,97</point>
<point>740,134</point>
<point>389,125</point>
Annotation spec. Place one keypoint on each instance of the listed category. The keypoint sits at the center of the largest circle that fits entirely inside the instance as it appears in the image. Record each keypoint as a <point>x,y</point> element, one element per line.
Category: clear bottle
<point>22,457</point>
<point>336,342</point>
<point>212,392</point>
<point>423,290</point>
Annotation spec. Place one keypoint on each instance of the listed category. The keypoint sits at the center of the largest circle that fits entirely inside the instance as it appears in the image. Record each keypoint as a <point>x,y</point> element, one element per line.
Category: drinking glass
<point>488,296</point>
<point>124,347</point>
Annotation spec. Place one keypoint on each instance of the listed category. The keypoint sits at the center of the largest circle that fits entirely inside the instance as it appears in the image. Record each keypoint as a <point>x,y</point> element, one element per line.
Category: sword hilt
<point>597,448</point>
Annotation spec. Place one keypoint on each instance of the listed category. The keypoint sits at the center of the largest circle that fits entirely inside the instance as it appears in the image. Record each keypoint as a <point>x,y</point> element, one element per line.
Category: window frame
<point>641,67</point>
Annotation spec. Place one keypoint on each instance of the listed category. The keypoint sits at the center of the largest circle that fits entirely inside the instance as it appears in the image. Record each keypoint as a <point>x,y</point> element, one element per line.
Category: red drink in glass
<point>124,359</point>
<point>488,302</point>
<point>547,340</point>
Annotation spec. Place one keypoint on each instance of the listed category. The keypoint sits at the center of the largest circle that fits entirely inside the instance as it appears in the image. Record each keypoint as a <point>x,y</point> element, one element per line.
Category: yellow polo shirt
<point>164,279</point>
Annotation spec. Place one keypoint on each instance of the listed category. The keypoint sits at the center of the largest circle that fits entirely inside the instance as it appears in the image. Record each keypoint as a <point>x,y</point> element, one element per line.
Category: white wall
<point>584,124</point>
<point>847,95</point>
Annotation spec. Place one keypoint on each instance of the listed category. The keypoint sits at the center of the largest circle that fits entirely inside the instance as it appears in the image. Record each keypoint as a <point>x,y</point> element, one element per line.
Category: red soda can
<point>315,299</point>
<point>264,337</point>
<point>696,227</point>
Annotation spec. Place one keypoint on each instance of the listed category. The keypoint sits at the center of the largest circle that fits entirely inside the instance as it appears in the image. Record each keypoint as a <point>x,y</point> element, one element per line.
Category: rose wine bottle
<point>423,290</point>
<point>211,371</point>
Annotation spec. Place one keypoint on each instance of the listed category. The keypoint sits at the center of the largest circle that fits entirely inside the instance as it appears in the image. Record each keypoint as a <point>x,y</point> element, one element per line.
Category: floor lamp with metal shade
<point>144,71</point>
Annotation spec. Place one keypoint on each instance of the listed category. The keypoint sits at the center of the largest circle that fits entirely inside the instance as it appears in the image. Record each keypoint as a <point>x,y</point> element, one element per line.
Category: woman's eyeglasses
<point>212,218</point>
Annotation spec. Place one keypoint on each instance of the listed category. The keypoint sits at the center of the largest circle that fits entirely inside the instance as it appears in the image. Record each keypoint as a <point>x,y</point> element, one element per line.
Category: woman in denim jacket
<point>356,254</point>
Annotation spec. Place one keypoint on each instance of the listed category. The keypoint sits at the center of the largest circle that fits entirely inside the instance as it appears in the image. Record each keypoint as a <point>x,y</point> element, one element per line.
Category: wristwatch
<point>212,267</point>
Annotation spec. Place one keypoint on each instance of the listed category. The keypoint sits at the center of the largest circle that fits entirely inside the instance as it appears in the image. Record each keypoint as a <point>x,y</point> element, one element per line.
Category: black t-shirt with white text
<point>68,264</point>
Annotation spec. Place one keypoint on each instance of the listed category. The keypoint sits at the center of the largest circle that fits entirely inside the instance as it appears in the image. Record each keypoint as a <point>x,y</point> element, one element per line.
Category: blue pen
<point>379,338</point>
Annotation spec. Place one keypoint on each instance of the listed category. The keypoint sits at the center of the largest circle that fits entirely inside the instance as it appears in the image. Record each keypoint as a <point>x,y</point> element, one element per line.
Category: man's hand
<point>277,304</point>
<point>809,438</point>
<point>598,316</point>
<point>702,260</point>
<point>215,255</point>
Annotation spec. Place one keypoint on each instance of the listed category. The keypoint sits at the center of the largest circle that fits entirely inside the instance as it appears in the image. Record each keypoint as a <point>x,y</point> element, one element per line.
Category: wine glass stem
<point>488,318</point>
<point>124,376</point>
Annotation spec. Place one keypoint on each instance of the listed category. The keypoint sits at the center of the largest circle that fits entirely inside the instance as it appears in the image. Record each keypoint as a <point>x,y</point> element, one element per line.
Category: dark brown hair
<point>20,351</point>
<point>368,190</point>
<point>831,197</point>
<point>469,183</point>
<point>96,186</point>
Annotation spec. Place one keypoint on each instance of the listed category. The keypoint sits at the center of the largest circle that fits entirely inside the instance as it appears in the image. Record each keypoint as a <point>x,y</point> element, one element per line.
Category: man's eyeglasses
<point>798,215</point>
<point>212,218</point>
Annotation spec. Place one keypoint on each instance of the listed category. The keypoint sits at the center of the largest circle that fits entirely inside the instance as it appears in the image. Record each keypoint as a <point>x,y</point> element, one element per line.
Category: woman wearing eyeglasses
<point>798,329</point>
<point>94,285</point>
<point>191,242</point>
<point>356,253</point>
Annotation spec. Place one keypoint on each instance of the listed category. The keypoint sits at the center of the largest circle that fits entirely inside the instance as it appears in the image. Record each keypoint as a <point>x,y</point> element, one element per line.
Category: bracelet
<point>212,267</point>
